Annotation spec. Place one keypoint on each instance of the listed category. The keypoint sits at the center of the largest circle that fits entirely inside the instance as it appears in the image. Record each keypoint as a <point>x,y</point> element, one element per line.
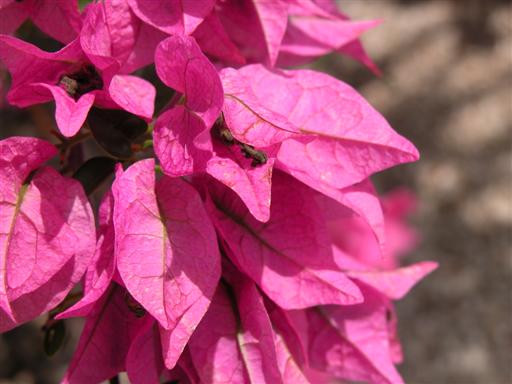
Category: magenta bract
<point>289,256</point>
<point>43,14</point>
<point>47,237</point>
<point>165,223</point>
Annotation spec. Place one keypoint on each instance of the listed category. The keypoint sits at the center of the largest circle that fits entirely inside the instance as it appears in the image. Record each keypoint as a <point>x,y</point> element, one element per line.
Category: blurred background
<point>447,86</point>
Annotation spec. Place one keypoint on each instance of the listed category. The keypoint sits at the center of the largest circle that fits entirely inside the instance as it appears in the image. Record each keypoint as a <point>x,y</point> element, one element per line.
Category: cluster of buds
<point>238,238</point>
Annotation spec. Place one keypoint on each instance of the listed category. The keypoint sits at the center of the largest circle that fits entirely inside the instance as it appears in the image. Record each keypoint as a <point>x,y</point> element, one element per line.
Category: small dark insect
<point>70,85</point>
<point>258,157</point>
<point>222,131</point>
<point>227,136</point>
<point>80,82</point>
<point>134,306</point>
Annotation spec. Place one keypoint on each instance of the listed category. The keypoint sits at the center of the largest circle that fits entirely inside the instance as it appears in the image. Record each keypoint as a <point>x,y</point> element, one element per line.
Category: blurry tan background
<point>447,86</point>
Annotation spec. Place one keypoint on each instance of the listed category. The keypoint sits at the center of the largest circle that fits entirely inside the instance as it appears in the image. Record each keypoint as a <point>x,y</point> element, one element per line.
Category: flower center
<point>85,80</point>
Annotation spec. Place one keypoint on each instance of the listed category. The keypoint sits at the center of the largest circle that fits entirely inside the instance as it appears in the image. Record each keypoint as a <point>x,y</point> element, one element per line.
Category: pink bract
<point>164,224</point>
<point>47,237</point>
<point>60,19</point>
<point>37,75</point>
<point>289,256</point>
<point>239,236</point>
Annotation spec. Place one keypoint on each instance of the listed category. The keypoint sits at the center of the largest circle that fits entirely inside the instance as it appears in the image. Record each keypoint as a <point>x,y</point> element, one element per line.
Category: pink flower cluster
<point>256,250</point>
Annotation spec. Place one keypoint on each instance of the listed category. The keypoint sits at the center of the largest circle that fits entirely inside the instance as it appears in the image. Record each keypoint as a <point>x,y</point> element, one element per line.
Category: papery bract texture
<point>236,339</point>
<point>144,361</point>
<point>43,13</point>
<point>175,17</point>
<point>250,119</point>
<point>165,225</point>
<point>105,340</point>
<point>289,257</point>
<point>214,345</point>
<point>344,139</point>
<point>251,184</point>
<point>352,342</point>
<point>181,137</point>
<point>257,27</point>
<point>100,272</point>
<point>47,233</point>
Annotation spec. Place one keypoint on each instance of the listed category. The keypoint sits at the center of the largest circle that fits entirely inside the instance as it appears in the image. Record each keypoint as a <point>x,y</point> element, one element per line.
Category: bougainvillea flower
<point>47,232</point>
<point>132,42</point>
<point>352,342</point>
<point>100,272</point>
<point>81,74</point>
<point>325,131</point>
<point>314,32</point>
<point>316,28</point>
<point>257,27</point>
<point>165,225</point>
<point>182,133</point>
<point>257,249</point>
<point>289,257</point>
<point>59,19</point>
<point>235,341</point>
<point>341,131</point>
<point>105,341</point>
<point>352,234</point>
<point>175,17</point>
<point>183,142</point>
<point>355,48</point>
<point>215,41</point>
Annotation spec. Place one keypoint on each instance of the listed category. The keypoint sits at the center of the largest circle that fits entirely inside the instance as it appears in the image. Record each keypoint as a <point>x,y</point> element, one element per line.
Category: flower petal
<point>168,229</point>
<point>133,94</point>
<point>181,65</point>
<point>47,232</point>
<point>175,17</point>
<point>289,256</point>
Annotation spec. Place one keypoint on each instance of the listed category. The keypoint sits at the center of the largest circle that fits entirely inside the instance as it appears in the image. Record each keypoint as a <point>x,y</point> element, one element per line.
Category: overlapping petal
<point>289,257</point>
<point>44,14</point>
<point>215,41</point>
<point>251,184</point>
<point>182,140</point>
<point>105,340</point>
<point>166,251</point>
<point>235,341</point>
<point>181,65</point>
<point>101,270</point>
<point>262,254</point>
<point>175,17</point>
<point>47,231</point>
<point>257,27</point>
<point>352,342</point>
